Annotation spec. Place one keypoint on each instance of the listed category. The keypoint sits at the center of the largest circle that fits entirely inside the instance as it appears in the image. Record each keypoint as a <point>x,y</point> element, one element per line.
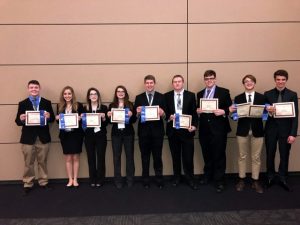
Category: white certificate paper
<point>117,115</point>
<point>256,111</point>
<point>284,110</point>
<point>243,110</point>
<point>93,120</point>
<point>185,121</point>
<point>152,113</point>
<point>33,118</point>
<point>71,121</point>
<point>209,105</point>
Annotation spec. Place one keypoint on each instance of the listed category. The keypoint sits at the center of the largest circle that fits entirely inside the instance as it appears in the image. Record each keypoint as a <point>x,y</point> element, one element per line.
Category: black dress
<point>71,141</point>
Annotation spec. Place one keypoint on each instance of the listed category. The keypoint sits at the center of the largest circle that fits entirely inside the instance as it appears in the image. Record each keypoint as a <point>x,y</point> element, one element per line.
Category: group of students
<point>213,129</point>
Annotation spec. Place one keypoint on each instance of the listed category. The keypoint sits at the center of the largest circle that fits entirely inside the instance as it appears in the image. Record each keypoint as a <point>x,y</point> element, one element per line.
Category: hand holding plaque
<point>35,118</point>
<point>68,121</point>
<point>182,121</point>
<point>117,115</point>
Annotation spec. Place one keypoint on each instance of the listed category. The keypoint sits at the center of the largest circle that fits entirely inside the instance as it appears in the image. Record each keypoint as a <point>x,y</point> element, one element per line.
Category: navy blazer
<point>153,128</point>
<point>285,126</point>
<point>188,108</point>
<point>244,124</point>
<point>30,133</point>
<point>217,124</point>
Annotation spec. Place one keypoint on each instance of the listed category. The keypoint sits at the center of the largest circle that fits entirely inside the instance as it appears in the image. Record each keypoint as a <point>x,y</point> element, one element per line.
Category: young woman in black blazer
<point>95,139</point>
<point>123,134</point>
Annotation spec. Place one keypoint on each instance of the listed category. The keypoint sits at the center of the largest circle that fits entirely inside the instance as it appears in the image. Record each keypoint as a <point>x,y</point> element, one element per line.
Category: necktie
<point>178,102</point>
<point>207,93</point>
<point>34,103</point>
<point>149,98</point>
<point>279,97</point>
<point>249,99</point>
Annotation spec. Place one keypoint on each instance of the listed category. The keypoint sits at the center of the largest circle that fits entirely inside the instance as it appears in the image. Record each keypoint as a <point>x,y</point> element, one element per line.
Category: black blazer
<point>244,124</point>
<point>216,124</point>
<point>78,131</point>
<point>188,108</point>
<point>30,133</point>
<point>153,128</point>
<point>285,126</point>
<point>90,131</point>
<point>128,130</point>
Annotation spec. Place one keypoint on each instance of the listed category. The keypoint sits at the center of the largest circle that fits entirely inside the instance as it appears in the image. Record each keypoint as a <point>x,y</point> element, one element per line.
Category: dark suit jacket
<point>153,128</point>
<point>188,108</point>
<point>256,124</point>
<point>30,133</point>
<point>128,130</point>
<point>285,126</point>
<point>90,131</point>
<point>216,124</point>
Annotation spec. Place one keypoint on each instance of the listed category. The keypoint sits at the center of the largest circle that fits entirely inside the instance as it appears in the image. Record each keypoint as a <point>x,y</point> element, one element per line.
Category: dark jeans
<point>96,147</point>
<point>117,143</point>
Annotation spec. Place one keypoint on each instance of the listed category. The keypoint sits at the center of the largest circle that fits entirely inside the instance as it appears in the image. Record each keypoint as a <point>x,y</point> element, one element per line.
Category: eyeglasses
<point>209,78</point>
<point>120,91</point>
<point>91,94</point>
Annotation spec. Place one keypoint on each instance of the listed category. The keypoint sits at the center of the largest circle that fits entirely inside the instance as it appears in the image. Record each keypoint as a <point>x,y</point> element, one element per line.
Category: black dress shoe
<point>160,184</point>
<point>203,181</point>
<point>47,187</point>
<point>270,182</point>
<point>146,185</point>
<point>99,184</point>
<point>175,182</point>
<point>193,185</point>
<point>285,186</point>
<point>220,188</point>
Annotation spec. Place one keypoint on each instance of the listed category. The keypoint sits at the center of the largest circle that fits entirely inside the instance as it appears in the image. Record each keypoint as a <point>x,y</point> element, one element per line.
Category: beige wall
<point>110,42</point>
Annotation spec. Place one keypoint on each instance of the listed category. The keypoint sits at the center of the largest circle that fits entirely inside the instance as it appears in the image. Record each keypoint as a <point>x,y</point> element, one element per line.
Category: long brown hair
<point>88,100</point>
<point>127,103</point>
<point>62,103</point>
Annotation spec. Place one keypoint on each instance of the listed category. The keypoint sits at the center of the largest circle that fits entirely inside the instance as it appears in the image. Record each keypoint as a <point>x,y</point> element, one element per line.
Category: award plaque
<point>185,121</point>
<point>93,120</point>
<point>284,110</point>
<point>151,113</point>
<point>209,105</point>
<point>68,121</point>
<point>33,118</point>
<point>117,115</point>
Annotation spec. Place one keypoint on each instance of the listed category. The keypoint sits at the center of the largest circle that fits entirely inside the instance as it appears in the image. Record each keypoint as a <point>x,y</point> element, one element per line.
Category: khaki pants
<point>36,152</point>
<point>253,145</point>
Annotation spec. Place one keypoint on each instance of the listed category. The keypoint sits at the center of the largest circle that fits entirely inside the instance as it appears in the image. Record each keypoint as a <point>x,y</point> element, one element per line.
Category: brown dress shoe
<point>257,187</point>
<point>240,186</point>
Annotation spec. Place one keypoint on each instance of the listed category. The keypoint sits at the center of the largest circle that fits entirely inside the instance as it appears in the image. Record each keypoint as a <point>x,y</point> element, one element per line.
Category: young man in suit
<point>281,131</point>
<point>35,139</point>
<point>249,135</point>
<point>181,141</point>
<point>213,129</point>
<point>151,133</point>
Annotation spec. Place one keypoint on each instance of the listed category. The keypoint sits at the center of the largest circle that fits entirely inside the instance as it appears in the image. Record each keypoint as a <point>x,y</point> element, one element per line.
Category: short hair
<point>149,77</point>
<point>249,76</point>
<point>177,76</point>
<point>33,82</point>
<point>282,73</point>
<point>209,73</point>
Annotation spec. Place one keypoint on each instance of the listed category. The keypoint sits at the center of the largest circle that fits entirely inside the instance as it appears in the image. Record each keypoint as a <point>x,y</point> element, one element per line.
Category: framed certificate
<point>209,105</point>
<point>243,110</point>
<point>33,118</point>
<point>185,121</point>
<point>117,115</point>
<point>284,110</point>
<point>70,120</point>
<point>93,120</point>
<point>256,111</point>
<point>152,113</point>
